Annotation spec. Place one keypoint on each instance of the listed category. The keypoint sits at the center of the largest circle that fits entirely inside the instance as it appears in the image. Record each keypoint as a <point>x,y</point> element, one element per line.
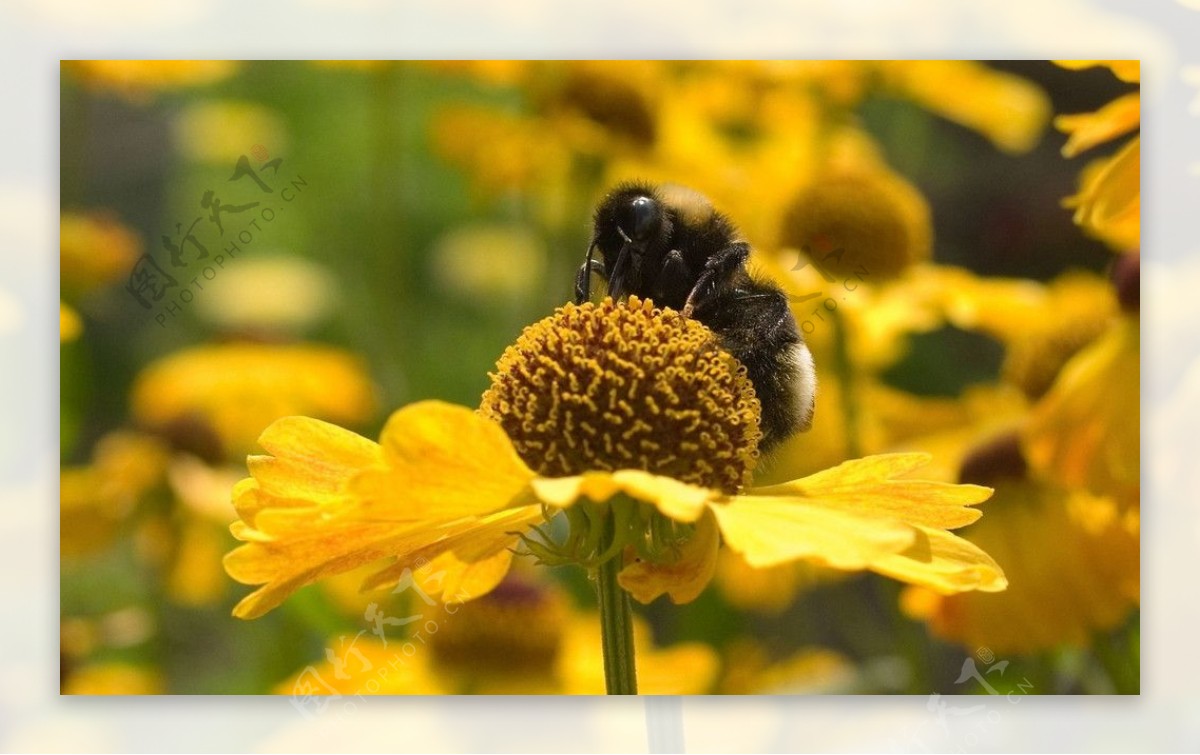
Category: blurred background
<point>243,241</point>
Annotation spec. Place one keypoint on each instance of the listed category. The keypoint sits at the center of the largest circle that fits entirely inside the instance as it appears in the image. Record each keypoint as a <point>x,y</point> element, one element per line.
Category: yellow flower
<point>236,389</point>
<point>1109,202</point>
<point>95,499</point>
<point>140,80</point>
<point>1085,432</point>
<point>1073,562</point>
<point>850,222</point>
<point>594,401</point>
<point>114,678</point>
<point>1077,309</point>
<point>602,107</point>
<point>95,249</point>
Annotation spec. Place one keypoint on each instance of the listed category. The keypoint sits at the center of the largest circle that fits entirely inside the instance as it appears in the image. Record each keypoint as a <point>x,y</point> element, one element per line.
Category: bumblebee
<point>670,245</point>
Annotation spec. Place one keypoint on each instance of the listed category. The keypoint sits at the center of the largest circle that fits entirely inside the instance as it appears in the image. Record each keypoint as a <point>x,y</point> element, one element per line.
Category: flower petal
<point>442,462</point>
<point>1084,433</point>
<point>774,530</point>
<point>943,562</point>
<point>311,463</point>
<point>469,561</point>
<point>678,500</point>
<point>1109,202</point>
<point>1126,70</point>
<point>862,487</point>
<point>332,547</point>
<point>329,501</point>
<point>683,579</point>
<point>1088,130</point>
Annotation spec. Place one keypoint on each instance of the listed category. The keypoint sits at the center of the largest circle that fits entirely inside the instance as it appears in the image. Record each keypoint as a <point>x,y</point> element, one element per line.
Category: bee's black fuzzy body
<point>669,245</point>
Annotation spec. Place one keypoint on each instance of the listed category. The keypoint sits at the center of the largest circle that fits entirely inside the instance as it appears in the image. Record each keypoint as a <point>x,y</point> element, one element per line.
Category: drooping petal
<point>331,547</point>
<point>774,530</point>
<point>677,500</point>
<point>441,462</point>
<point>864,487</point>
<point>944,563</point>
<point>684,578</point>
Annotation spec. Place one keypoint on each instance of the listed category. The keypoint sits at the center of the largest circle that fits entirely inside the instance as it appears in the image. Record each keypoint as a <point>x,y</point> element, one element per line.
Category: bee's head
<point>632,231</point>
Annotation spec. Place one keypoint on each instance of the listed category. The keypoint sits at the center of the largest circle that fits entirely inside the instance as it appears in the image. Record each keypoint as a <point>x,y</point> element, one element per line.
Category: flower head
<point>1073,557</point>
<point>626,386</point>
<point>460,489</point>
<point>231,391</point>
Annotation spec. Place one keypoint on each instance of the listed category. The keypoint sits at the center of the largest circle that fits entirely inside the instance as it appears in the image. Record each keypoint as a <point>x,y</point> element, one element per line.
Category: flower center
<point>624,385</point>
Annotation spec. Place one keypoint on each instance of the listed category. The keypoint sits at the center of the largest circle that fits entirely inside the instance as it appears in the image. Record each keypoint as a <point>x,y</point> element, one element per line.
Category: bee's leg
<point>583,279</point>
<point>671,288</point>
<point>719,268</point>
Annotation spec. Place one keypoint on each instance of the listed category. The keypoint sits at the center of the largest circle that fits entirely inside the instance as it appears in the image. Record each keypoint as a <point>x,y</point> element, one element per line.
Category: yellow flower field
<point>546,377</point>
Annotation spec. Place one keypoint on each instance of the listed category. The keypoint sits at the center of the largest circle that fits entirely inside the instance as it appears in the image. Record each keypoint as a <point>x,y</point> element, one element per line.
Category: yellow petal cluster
<point>445,485</point>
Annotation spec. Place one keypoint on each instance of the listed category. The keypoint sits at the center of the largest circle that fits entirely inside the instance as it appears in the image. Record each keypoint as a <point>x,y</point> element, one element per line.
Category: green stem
<point>616,620</point>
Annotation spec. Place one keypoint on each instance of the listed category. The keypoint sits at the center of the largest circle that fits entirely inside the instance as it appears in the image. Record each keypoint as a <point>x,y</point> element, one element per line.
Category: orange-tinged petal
<point>774,530</point>
<point>1087,130</point>
<point>677,500</point>
<point>685,577</point>
<point>943,562</point>
<point>442,462</point>
<point>863,487</point>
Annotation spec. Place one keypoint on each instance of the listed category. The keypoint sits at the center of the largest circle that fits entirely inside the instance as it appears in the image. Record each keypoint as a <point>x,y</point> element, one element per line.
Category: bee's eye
<point>642,217</point>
